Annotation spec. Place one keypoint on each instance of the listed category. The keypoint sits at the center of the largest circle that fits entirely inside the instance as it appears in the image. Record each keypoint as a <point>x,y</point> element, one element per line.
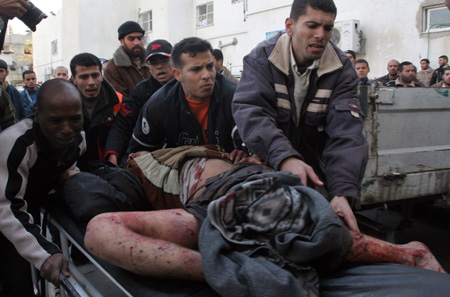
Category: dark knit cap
<point>129,27</point>
<point>3,65</point>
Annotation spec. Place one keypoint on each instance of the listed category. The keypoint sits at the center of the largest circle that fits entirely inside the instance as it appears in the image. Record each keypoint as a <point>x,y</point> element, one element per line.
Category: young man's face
<point>446,78</point>
<point>362,69</point>
<point>217,64</point>
<point>3,74</point>
<point>408,73</point>
<point>310,34</point>
<point>133,44</point>
<point>88,80</point>
<point>442,62</point>
<point>61,119</point>
<point>350,56</point>
<point>161,68</point>
<point>61,73</point>
<point>424,65</point>
<point>30,81</point>
<point>393,68</point>
<point>197,75</point>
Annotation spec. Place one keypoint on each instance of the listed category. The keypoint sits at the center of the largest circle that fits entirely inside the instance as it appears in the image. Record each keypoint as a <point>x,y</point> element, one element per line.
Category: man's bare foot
<point>418,254</point>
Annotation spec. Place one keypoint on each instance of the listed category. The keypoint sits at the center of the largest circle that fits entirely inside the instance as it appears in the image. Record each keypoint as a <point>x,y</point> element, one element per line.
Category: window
<point>146,21</point>
<point>436,18</point>
<point>54,47</point>
<point>205,14</point>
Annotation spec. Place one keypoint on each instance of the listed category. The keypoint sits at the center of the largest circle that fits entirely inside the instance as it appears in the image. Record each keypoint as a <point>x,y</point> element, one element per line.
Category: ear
<point>72,78</point>
<point>177,74</point>
<point>289,24</point>
<point>122,42</point>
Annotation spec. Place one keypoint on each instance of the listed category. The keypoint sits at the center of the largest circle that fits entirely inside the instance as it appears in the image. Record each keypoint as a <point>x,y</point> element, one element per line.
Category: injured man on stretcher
<point>251,231</point>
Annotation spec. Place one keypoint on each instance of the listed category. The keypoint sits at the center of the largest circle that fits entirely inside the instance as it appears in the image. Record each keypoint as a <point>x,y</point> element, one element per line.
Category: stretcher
<point>384,279</point>
<point>110,280</point>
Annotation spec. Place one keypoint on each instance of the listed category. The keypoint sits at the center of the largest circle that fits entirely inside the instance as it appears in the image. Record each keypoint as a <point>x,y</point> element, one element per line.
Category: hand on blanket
<point>236,156</point>
<point>300,168</point>
<point>53,266</point>
<point>342,209</point>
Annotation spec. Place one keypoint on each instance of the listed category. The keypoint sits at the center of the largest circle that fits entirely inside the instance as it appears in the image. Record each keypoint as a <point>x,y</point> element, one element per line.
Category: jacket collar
<point>280,57</point>
<point>121,58</point>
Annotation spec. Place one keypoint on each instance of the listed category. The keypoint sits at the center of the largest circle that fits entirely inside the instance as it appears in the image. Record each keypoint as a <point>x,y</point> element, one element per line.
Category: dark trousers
<point>15,272</point>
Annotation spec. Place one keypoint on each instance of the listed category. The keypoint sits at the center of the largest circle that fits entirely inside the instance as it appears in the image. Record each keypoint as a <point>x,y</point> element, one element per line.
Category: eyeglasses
<point>157,60</point>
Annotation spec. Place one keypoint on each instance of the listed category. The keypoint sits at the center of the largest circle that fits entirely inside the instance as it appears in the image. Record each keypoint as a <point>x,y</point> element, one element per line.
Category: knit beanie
<point>129,27</point>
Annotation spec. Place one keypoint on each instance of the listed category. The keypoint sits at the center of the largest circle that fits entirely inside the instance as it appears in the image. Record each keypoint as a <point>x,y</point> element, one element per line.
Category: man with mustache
<point>159,60</point>
<point>192,109</point>
<point>34,157</point>
<point>127,67</point>
<point>406,77</point>
<point>392,69</point>
<point>296,107</point>
<point>101,103</point>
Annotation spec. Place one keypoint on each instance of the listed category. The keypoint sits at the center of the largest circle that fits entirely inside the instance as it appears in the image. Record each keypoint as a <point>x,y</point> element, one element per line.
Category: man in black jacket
<point>439,72</point>
<point>101,103</point>
<point>160,64</point>
<point>194,109</point>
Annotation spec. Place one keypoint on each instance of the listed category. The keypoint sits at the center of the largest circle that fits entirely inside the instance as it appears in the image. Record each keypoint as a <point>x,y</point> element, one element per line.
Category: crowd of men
<point>405,74</point>
<point>168,96</point>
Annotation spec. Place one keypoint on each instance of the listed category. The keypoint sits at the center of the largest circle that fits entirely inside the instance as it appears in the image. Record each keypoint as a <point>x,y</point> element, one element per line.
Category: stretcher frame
<point>125,283</point>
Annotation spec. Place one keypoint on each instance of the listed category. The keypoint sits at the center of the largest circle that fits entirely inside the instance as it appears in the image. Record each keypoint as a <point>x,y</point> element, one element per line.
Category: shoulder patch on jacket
<point>145,126</point>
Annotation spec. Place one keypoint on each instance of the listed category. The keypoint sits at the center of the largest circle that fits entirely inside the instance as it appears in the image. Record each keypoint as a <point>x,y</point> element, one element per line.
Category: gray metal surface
<point>408,130</point>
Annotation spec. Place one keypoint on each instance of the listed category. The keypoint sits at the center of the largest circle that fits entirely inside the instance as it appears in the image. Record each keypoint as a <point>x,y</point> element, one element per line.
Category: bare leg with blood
<point>367,249</point>
<point>164,243</point>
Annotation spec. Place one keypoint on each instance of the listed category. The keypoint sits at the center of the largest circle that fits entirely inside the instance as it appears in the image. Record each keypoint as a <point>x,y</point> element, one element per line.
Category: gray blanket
<point>269,236</point>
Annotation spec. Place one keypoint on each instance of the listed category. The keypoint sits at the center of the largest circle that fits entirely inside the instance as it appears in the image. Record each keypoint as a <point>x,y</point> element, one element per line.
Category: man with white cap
<point>158,57</point>
<point>127,68</point>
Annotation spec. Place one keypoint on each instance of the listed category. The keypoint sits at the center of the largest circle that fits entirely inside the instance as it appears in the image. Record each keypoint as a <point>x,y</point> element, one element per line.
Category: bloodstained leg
<point>160,243</point>
<point>367,249</point>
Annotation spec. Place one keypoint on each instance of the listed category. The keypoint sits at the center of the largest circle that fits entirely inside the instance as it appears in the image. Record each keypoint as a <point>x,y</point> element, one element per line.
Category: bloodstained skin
<point>366,249</point>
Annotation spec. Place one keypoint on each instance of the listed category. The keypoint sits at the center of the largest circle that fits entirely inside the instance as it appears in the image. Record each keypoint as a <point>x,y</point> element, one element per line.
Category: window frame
<point>427,18</point>
<point>148,22</point>
<point>209,14</point>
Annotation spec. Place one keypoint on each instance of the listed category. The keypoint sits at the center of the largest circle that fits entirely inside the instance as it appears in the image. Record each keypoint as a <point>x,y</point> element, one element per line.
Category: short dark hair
<point>27,72</point>
<point>362,61</point>
<point>299,7</point>
<point>190,46</point>
<point>218,55</point>
<point>403,64</point>
<point>351,53</point>
<point>49,87</point>
<point>446,68</point>
<point>86,60</point>
<point>444,57</point>
<point>426,60</point>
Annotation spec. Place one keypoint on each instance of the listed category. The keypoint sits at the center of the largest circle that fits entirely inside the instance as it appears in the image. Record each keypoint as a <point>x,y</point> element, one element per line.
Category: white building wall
<point>44,61</point>
<point>392,29</point>
<point>171,19</point>
<point>80,26</point>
